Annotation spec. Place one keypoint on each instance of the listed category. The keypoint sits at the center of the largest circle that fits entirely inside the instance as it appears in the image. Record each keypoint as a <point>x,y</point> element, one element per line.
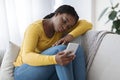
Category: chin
<point>59,31</point>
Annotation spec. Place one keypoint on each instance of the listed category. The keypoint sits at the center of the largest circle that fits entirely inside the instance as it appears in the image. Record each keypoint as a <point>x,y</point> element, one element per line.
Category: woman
<point>42,55</point>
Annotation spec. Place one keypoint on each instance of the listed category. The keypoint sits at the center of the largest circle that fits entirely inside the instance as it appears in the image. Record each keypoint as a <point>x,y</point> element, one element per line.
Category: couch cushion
<point>7,63</point>
<point>106,64</point>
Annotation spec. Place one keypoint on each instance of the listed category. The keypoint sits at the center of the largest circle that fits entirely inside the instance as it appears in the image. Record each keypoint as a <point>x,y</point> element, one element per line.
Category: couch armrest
<point>106,65</point>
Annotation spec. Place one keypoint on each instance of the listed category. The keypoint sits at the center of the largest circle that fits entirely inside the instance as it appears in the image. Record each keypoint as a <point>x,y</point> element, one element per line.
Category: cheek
<point>58,24</point>
<point>56,27</point>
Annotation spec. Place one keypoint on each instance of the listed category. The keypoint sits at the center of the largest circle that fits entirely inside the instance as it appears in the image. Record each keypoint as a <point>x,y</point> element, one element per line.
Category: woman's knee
<point>54,50</point>
<point>60,47</point>
<point>80,50</point>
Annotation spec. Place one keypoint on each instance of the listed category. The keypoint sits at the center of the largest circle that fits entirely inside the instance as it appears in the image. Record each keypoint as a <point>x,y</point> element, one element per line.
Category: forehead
<point>70,18</point>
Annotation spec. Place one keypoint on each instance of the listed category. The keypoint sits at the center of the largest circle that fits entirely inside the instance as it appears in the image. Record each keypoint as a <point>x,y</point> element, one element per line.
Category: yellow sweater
<point>36,41</point>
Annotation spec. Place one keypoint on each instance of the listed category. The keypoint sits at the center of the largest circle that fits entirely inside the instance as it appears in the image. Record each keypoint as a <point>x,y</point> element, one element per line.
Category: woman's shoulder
<point>37,22</point>
<point>35,26</point>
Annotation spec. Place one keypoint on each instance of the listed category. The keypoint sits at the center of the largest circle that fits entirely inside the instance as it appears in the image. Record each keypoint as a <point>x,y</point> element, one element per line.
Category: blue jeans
<point>73,71</point>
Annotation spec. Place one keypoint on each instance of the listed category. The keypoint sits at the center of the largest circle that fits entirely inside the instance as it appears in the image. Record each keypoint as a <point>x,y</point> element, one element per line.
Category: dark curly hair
<point>64,9</point>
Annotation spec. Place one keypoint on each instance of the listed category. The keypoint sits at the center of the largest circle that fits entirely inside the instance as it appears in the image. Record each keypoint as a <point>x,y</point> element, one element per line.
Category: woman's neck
<point>48,28</point>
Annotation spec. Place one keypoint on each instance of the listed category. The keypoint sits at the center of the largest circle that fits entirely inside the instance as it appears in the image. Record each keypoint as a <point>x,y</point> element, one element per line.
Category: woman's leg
<point>63,72</point>
<point>79,68</point>
<point>54,50</point>
<point>26,72</point>
<point>54,76</point>
<point>75,70</point>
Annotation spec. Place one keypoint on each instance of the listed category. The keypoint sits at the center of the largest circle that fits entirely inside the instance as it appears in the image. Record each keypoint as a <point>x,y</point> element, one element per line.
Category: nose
<point>65,27</point>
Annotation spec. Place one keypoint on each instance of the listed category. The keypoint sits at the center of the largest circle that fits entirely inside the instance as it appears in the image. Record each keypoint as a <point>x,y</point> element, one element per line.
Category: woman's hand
<point>64,40</point>
<point>62,58</point>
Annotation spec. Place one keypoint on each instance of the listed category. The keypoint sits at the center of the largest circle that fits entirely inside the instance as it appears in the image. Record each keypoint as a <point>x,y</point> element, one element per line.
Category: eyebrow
<point>67,19</point>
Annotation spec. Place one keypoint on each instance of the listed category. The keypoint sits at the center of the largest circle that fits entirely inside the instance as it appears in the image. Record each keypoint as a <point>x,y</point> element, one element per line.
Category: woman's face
<point>63,22</point>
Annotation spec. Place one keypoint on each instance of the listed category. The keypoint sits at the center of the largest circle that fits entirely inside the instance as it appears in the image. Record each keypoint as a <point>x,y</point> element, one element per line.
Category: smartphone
<point>72,47</point>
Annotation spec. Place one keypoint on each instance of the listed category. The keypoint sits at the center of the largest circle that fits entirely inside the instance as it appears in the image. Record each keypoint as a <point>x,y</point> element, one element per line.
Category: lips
<point>61,29</point>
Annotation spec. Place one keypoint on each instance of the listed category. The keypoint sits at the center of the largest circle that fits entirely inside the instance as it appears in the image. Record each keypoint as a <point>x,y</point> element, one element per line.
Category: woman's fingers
<point>63,59</point>
<point>58,42</point>
<point>64,40</point>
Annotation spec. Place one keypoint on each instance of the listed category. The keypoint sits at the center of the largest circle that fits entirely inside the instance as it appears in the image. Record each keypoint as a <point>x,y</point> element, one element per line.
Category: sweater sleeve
<point>81,28</point>
<point>29,55</point>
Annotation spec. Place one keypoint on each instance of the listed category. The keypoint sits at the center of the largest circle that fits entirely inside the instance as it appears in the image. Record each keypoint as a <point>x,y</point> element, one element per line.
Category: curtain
<point>16,15</point>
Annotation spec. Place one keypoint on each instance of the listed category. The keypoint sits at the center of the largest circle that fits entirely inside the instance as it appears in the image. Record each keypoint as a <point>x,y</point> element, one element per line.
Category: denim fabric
<point>73,71</point>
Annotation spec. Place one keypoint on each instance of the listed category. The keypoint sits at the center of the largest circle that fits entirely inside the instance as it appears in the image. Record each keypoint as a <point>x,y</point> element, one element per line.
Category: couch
<point>101,53</point>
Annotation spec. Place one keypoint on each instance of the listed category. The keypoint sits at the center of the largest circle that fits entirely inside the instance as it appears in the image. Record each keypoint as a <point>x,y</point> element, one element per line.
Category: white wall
<point>99,6</point>
<point>83,7</point>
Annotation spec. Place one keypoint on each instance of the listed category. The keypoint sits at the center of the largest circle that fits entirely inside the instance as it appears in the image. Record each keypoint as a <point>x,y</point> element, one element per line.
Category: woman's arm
<point>30,42</point>
<point>81,27</point>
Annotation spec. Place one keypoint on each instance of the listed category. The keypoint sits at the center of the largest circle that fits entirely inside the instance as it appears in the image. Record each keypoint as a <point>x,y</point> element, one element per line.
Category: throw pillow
<point>7,63</point>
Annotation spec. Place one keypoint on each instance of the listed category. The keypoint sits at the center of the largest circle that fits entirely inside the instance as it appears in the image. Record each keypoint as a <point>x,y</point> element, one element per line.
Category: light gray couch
<point>102,55</point>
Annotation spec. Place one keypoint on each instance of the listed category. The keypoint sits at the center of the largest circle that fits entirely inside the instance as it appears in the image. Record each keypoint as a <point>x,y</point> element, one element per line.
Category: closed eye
<point>69,27</point>
<point>64,20</point>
